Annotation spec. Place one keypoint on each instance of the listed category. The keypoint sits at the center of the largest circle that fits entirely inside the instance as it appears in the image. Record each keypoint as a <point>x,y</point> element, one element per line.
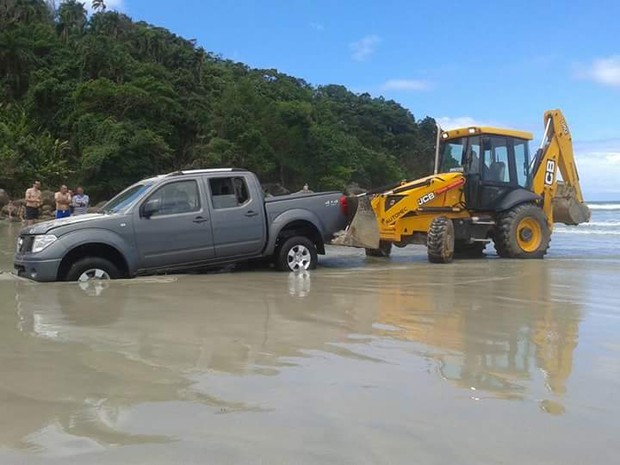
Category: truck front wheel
<point>297,253</point>
<point>91,268</point>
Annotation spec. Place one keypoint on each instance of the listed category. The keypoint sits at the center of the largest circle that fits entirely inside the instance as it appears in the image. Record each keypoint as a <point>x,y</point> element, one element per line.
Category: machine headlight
<point>43,242</point>
<point>20,242</point>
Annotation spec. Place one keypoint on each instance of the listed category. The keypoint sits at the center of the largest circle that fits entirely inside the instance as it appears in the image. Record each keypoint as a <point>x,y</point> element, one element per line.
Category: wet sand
<point>364,361</point>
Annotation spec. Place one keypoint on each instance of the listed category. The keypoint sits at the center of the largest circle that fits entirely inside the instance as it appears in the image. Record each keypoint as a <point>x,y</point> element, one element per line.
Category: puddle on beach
<point>361,361</point>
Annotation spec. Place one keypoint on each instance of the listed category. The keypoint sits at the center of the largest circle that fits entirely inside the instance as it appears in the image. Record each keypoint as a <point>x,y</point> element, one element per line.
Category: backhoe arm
<point>562,201</point>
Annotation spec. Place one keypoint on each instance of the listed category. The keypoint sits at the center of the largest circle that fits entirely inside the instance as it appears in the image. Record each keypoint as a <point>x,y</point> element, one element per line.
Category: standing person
<point>63,202</point>
<point>80,202</point>
<point>33,203</point>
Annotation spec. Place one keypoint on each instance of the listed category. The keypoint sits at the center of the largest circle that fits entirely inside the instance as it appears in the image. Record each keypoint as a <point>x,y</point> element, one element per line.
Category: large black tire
<point>93,268</point>
<point>522,232</point>
<point>440,240</point>
<point>473,250</point>
<point>297,253</point>
<point>384,250</point>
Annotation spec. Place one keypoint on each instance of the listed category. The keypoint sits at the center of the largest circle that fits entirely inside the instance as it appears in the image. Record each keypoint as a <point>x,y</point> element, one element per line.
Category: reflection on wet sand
<point>491,330</point>
<point>158,339</point>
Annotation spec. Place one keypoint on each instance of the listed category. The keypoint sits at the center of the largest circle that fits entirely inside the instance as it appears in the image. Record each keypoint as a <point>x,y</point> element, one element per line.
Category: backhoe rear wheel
<point>522,232</point>
<point>384,250</point>
<point>440,240</point>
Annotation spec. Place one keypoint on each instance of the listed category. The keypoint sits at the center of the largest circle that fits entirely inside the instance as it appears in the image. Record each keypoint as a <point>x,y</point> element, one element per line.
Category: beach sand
<point>384,361</point>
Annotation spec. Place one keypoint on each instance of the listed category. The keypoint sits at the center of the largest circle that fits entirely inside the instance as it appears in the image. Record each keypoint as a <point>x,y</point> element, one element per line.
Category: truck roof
<point>198,171</point>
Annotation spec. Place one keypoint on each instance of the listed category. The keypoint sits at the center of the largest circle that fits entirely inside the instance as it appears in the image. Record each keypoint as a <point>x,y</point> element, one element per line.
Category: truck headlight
<point>42,242</point>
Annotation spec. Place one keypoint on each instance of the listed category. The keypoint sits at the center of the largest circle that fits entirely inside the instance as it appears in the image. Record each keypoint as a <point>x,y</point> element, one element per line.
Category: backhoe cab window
<point>496,165</point>
<point>452,155</point>
<point>505,160</point>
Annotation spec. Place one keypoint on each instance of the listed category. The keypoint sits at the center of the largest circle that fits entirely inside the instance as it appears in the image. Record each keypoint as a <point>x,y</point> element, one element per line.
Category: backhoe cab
<point>485,188</point>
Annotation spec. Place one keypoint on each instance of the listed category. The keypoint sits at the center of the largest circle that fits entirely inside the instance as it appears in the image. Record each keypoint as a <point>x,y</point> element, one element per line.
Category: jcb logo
<point>550,173</point>
<point>426,198</point>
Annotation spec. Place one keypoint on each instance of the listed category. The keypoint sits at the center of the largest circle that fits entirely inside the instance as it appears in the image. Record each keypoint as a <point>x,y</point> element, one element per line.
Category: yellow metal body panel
<point>407,211</point>
<point>479,130</point>
<point>410,208</point>
<point>558,154</point>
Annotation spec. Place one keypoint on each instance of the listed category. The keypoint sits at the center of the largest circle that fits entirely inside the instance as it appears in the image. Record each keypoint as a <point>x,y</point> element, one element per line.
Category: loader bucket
<point>363,230</point>
<point>567,209</point>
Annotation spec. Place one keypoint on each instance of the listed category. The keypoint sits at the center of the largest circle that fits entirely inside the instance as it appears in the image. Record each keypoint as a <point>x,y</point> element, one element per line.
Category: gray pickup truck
<point>179,221</point>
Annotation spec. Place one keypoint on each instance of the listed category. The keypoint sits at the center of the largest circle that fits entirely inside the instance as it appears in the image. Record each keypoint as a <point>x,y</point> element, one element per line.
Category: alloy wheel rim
<point>94,274</point>
<point>299,258</point>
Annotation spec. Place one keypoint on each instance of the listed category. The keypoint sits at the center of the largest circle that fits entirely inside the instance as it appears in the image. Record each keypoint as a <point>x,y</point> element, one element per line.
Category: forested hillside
<point>102,100</point>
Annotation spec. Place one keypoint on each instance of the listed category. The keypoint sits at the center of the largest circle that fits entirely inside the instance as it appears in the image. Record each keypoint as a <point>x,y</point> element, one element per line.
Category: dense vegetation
<point>103,101</point>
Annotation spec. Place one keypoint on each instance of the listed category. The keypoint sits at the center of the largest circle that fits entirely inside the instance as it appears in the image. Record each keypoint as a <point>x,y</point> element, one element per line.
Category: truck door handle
<point>200,219</point>
<point>251,213</point>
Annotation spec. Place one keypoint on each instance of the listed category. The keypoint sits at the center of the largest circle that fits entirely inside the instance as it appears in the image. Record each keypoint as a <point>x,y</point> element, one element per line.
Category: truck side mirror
<point>151,207</point>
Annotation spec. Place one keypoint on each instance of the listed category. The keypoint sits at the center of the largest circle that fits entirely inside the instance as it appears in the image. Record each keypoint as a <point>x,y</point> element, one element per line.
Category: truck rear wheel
<point>92,268</point>
<point>522,232</point>
<point>384,250</point>
<point>440,240</point>
<point>297,253</point>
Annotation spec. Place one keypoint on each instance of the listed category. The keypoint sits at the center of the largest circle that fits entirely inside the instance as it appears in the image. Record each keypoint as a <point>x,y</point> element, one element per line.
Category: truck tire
<point>440,240</point>
<point>297,253</point>
<point>90,268</point>
<point>384,250</point>
<point>522,232</point>
<point>473,250</point>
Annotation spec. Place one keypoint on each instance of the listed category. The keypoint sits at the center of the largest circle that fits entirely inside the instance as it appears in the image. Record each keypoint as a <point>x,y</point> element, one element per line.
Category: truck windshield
<point>125,198</point>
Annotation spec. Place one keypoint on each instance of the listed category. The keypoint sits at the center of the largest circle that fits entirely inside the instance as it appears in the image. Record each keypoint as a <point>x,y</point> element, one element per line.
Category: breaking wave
<point>604,206</point>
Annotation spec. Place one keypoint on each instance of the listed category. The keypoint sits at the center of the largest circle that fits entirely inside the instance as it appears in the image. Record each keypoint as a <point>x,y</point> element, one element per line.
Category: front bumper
<point>37,270</point>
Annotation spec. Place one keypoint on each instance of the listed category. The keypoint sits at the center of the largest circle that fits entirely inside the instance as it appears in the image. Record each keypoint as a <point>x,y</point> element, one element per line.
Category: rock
<point>4,198</point>
<point>46,210</point>
<point>354,189</point>
<point>275,189</point>
<point>47,198</point>
<point>14,209</point>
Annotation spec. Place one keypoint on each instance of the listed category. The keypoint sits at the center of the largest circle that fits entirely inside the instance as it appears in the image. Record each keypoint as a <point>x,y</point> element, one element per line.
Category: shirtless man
<point>63,202</point>
<point>33,203</point>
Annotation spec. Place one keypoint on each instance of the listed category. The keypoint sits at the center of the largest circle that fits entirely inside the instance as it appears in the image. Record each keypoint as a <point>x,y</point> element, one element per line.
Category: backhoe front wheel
<point>440,240</point>
<point>522,232</point>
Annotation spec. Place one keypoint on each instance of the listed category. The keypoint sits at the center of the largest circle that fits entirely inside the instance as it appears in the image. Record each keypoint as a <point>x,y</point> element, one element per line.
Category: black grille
<point>26,245</point>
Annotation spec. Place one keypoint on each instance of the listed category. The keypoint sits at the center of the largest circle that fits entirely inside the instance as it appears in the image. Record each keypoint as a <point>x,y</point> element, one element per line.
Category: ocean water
<point>600,238</point>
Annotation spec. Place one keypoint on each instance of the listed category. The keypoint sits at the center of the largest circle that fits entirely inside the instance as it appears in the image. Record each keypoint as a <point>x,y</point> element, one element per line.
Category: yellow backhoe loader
<point>484,188</point>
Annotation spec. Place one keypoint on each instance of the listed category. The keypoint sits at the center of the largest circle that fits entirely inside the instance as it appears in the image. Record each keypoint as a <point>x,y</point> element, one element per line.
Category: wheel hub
<point>526,234</point>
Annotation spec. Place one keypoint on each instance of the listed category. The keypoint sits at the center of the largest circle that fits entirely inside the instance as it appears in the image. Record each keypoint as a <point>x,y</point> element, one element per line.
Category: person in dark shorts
<point>33,203</point>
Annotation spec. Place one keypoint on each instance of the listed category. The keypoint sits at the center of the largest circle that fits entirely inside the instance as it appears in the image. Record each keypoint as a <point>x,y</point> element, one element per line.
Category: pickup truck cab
<point>182,220</point>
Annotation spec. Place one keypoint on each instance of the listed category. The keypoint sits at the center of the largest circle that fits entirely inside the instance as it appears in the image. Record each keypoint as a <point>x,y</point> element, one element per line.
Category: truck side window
<point>228,192</point>
<point>177,197</point>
